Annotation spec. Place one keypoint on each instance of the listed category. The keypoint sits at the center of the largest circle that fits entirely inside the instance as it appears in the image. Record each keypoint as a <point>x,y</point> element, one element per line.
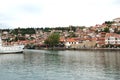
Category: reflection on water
<point>60,65</point>
<point>11,58</point>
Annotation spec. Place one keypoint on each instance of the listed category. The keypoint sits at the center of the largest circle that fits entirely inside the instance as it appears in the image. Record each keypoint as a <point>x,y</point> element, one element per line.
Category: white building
<point>117,21</point>
<point>70,41</point>
<point>112,38</point>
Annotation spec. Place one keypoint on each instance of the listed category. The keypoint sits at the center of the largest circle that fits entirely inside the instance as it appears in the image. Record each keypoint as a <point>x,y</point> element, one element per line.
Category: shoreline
<point>109,49</point>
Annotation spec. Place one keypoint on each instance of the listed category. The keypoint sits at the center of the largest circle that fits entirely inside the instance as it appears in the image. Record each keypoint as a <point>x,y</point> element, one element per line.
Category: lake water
<point>60,65</point>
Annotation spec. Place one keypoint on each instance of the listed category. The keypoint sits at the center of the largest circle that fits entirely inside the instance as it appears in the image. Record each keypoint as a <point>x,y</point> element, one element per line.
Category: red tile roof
<point>112,35</point>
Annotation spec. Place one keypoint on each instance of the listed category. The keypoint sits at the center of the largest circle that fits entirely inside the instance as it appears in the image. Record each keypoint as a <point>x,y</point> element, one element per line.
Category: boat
<point>11,48</point>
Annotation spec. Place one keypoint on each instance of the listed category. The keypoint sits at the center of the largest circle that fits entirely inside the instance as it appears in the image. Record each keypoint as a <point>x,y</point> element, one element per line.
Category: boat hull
<point>12,49</point>
<point>11,52</point>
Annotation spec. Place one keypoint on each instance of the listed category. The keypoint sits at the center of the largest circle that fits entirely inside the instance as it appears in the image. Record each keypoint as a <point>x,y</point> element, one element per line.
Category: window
<point>118,42</point>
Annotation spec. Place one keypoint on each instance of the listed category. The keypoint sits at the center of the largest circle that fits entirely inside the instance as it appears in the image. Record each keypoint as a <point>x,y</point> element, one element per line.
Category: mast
<point>0,37</point>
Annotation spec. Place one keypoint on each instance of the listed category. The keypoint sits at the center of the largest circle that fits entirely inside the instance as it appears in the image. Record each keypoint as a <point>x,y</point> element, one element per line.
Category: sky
<point>57,13</point>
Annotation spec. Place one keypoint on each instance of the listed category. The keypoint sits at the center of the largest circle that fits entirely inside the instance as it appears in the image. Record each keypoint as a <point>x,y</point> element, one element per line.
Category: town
<point>106,35</point>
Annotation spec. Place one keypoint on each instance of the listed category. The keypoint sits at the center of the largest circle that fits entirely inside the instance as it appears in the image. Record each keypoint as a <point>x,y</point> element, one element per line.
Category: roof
<point>112,35</point>
<point>62,39</point>
<point>71,40</point>
<point>117,18</point>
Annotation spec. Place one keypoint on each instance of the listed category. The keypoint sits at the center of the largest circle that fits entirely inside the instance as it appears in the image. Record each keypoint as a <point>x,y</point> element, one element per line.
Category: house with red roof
<point>100,39</point>
<point>71,41</point>
<point>112,39</point>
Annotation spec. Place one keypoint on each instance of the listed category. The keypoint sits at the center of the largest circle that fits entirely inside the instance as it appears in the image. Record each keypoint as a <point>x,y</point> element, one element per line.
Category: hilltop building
<point>117,21</point>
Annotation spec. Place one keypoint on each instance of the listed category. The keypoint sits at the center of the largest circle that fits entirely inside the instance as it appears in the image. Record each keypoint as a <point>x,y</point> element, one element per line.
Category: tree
<point>106,30</point>
<point>23,31</point>
<point>52,40</point>
<point>109,23</point>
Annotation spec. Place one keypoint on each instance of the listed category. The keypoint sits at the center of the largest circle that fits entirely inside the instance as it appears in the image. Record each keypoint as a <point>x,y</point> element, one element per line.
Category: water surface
<point>60,65</point>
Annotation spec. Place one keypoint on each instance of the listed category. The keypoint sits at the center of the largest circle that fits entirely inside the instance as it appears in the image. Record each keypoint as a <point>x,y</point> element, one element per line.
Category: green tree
<point>23,31</point>
<point>53,39</point>
<point>106,30</point>
<point>109,23</point>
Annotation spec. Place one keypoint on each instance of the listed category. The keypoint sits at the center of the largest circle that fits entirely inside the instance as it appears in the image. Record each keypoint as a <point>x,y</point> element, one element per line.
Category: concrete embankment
<point>63,48</point>
<point>101,49</point>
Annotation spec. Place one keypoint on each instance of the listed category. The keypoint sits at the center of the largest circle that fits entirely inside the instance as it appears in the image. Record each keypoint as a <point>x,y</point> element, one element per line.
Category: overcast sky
<point>55,13</point>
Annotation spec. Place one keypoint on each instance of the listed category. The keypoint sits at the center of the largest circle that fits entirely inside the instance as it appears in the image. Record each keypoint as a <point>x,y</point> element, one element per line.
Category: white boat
<point>11,49</point>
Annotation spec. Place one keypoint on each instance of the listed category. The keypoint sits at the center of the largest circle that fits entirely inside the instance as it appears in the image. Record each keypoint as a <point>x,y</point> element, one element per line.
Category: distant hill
<point>4,26</point>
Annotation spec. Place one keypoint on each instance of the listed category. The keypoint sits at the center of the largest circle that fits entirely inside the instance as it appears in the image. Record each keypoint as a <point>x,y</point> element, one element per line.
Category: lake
<point>60,65</point>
